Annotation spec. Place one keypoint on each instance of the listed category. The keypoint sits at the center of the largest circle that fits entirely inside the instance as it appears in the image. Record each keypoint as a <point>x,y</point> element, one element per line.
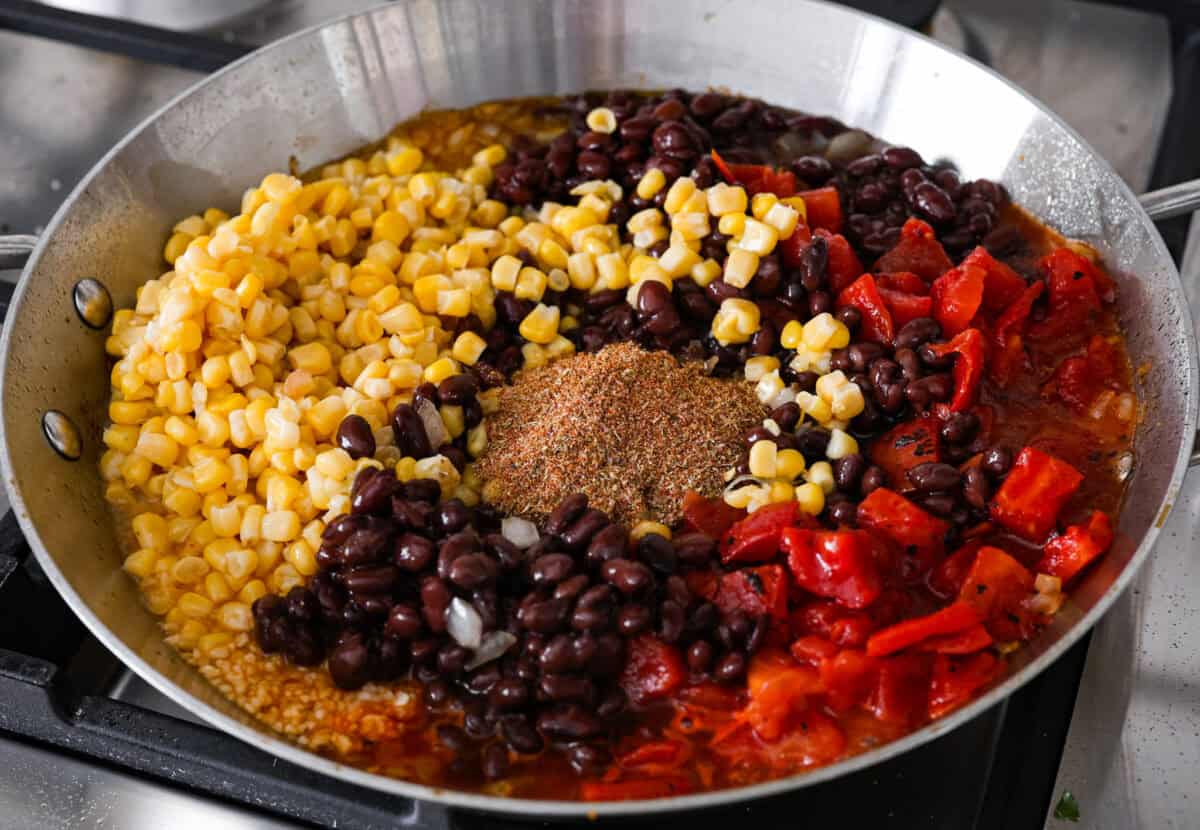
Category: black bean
<point>901,158</point>
<point>591,618</point>
<point>848,470</point>
<point>377,579</point>
<point>872,480</point>
<point>634,619</point>
<point>699,656</point>
<point>814,170</point>
<point>658,552</point>
<point>916,332</point>
<point>456,390</point>
<point>864,166</point>
<point>551,568</point>
<point>730,668</point>
<point>939,504</point>
<point>409,430</point>
<point>520,736</point>
<point>423,490</point>
<point>494,762</point>
<point>934,202</point>
<point>996,461</point>
<point>452,658</point>
<point>372,492</point>
<point>437,692</point>
<point>508,555</point>
<point>932,359</point>
<point>588,759</point>
<point>960,427</point>
<point>580,533</point>
<point>454,547</point>
<point>843,513</point>
<point>435,599</point>
<point>509,693</point>
<point>558,655</point>
<point>757,636</point>
<point>862,355</point>
<point>404,622</point>
<point>703,618</point>
<point>608,544</point>
<point>976,488</point>
<point>424,651</point>
<point>545,617</point>
<point>671,621</point>
<point>349,663</point>
<point>454,738</point>
<point>910,364</point>
<point>850,316</point>
<point>413,553</point>
<point>426,391</point>
<point>567,688</point>
<point>653,297</point>
<point>355,437</point>
<point>812,443</point>
<point>572,586</point>
<point>934,477</point>
<point>365,545</point>
<point>472,571</point>
<point>626,575</point>
<point>570,722</point>
<point>695,549</point>
<point>819,302</point>
<point>483,679</point>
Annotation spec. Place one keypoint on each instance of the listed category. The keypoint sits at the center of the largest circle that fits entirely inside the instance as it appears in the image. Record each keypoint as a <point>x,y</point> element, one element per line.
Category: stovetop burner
<point>74,722</point>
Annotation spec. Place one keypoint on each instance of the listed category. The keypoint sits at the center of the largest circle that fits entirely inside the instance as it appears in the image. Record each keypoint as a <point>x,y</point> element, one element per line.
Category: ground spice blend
<point>634,430</point>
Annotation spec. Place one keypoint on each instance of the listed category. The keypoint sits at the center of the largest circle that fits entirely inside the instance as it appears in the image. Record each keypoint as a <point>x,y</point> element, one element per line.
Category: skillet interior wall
<point>323,94</point>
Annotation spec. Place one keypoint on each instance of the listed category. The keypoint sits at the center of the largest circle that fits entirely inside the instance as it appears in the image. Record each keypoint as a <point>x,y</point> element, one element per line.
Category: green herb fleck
<point>1067,808</point>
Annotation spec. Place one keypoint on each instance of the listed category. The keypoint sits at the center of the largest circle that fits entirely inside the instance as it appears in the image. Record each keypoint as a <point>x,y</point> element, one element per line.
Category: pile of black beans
<point>376,610</point>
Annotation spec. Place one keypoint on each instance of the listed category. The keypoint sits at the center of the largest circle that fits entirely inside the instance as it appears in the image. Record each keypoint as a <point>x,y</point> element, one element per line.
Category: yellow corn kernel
<point>762,459</point>
<point>758,237</point>
<point>651,183</point>
<point>504,273</point>
<point>822,331</point>
<point>768,388</point>
<point>194,605</point>
<point>454,303</point>
<point>821,474</point>
<point>841,444</point>
<point>847,402</point>
<point>280,526</point>
<point>724,198</point>
<point>645,528</point>
<point>761,203</point>
<point>789,464</point>
<point>189,570</point>
<point>157,448</point>
<point>533,356</point>
<point>300,556</point>
<point>679,193</point>
<point>792,335</point>
<point>440,369</point>
<point>129,413</point>
<point>781,491</point>
<point>783,218</point>
<point>743,496</point>
<point>150,529</point>
<point>121,438</point>
<point>736,321</point>
<point>704,273</point>
<point>426,290</point>
<point>531,284</point>
<point>756,367</point>
<point>313,358</point>
<point>541,324</point>
<point>740,267</point>
<point>468,346</point>
<point>601,120</point>
<point>732,224</point>
<point>140,563</point>
<point>811,498</point>
<point>477,440</point>
<point>678,261</point>
<point>612,271</point>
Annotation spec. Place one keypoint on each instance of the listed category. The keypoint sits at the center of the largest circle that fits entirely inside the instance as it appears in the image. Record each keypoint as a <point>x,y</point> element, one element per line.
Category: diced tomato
<point>635,789</point>
<point>710,516</point>
<point>1066,555</point>
<point>946,580</point>
<point>1001,286</point>
<point>968,366</point>
<point>905,307</point>
<point>904,446</point>
<point>917,251</point>
<point>757,178</point>
<point>756,537</point>
<point>811,649</point>
<point>836,564</point>
<point>904,281</point>
<point>901,693</point>
<point>955,680</point>
<point>843,265</point>
<point>653,669</point>
<point>952,619</point>
<point>1008,350</point>
<point>1072,294</point>
<point>897,519</point>
<point>778,687</point>
<point>823,208</point>
<point>996,585</point>
<point>967,641</point>
<point>877,322</point>
<point>1079,380</point>
<point>848,678</point>
<point>792,249</point>
<point>1035,490</point>
<point>756,591</point>
<point>957,296</point>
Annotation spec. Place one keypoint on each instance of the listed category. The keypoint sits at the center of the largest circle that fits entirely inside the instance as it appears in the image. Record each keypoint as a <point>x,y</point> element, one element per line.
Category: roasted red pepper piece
<point>848,678</point>
<point>952,619</point>
<point>946,580</point>
<point>996,586</point>
<point>901,693</point>
<point>757,178</point>
<point>812,649</point>
<point>653,669</point>
<point>968,367</point>
<point>843,265</point>
<point>1066,555</point>
<point>792,249</point>
<point>710,516</point>
<point>1079,380</point>
<point>967,641</point>
<point>756,591</point>
<point>822,208</point>
<point>905,307</point>
<point>836,564</point>
<point>1072,293</point>
<point>636,788</point>
<point>655,753</point>
<point>957,296</point>
<point>1035,490</point>
<point>955,680</point>
<point>1001,285</point>
<point>904,446</point>
<point>897,519</point>
<point>917,251</point>
<point>778,687</point>
<point>903,281</point>
<point>1008,349</point>
<point>877,322</point>
<point>756,537</point>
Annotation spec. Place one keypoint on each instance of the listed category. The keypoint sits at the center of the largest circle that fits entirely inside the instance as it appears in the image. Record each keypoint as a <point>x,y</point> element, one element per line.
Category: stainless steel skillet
<point>327,91</point>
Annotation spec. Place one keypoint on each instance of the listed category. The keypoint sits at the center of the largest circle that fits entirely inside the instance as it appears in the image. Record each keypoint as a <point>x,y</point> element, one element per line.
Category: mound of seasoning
<point>633,430</point>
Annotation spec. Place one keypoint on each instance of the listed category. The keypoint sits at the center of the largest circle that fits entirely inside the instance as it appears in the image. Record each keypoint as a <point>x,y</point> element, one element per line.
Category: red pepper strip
<point>1072,294</point>
<point>657,753</point>
<point>709,516</point>
<point>823,208</point>
<point>1035,490</point>
<point>946,580</point>
<point>635,788</point>
<point>897,519</point>
<point>917,251</point>
<point>968,368</point>
<point>956,680</point>
<point>837,564</point>
<point>877,322</point>
<point>1066,555</point>
<point>757,178</point>
<point>1007,346</point>
<point>996,584</point>
<point>905,307</point>
<point>964,642</point>
<point>812,649</point>
<point>957,295</point>
<point>904,446</point>
<point>848,678</point>
<point>949,620</point>
<point>901,695</point>
<point>843,265</point>
<point>1001,286</point>
<point>653,669</point>
<point>756,537</point>
<point>755,591</point>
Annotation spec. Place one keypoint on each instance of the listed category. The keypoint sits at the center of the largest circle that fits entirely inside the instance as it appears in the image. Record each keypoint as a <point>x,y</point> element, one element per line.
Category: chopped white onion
<point>435,428</point>
<point>493,645</point>
<point>771,426</point>
<point>520,532</point>
<point>786,395</point>
<point>464,624</point>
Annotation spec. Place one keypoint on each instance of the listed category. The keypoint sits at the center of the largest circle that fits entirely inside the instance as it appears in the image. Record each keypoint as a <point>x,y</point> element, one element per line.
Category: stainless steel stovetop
<point>1133,751</point>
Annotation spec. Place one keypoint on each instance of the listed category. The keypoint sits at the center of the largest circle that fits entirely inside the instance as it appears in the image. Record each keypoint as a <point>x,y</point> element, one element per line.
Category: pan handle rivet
<point>62,435</point>
<point>93,303</point>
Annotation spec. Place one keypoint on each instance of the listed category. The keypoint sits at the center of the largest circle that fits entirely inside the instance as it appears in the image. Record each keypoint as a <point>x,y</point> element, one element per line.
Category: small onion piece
<point>464,624</point>
<point>520,532</point>
<point>435,428</point>
<point>493,646</point>
<point>785,395</point>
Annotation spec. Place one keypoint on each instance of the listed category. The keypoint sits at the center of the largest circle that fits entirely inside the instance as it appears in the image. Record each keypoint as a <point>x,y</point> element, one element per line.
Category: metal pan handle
<point>1172,201</point>
<point>14,250</point>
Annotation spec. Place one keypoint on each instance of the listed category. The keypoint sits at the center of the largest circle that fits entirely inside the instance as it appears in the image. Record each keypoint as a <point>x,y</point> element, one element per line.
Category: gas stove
<point>84,742</point>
